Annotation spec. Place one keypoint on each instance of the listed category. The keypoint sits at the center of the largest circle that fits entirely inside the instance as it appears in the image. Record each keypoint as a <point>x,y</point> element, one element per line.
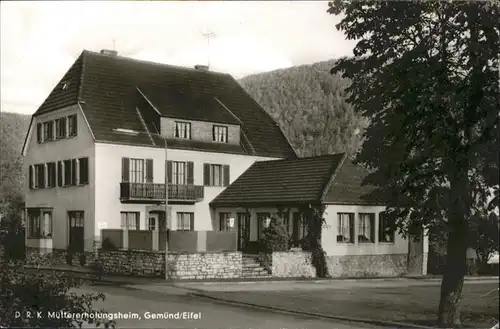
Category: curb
<point>316,315</point>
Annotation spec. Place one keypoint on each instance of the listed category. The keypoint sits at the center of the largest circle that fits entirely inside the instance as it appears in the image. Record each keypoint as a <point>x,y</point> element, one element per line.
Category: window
<point>72,125</point>
<point>215,175</point>
<point>345,228</point>
<point>220,134</point>
<point>284,217</point>
<point>152,223</point>
<point>182,130</point>
<point>366,228</point>
<point>48,131</point>
<point>185,221</point>
<point>68,173</point>
<point>76,218</point>
<point>39,176</point>
<point>179,176</point>
<point>385,232</point>
<point>61,128</point>
<point>39,132</point>
<point>51,174</point>
<point>130,220</point>
<point>83,164</point>
<point>136,171</point>
<point>262,218</point>
<point>299,228</point>
<point>224,218</point>
<point>39,223</point>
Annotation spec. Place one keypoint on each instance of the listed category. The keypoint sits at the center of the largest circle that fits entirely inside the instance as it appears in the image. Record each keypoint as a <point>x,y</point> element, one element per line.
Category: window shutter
<point>59,173</point>
<point>206,174</point>
<point>63,127</point>
<point>372,228</point>
<point>149,170</point>
<point>190,174</point>
<point>226,175</point>
<point>39,132</point>
<point>84,170</point>
<point>191,222</point>
<point>169,171</point>
<point>213,133</point>
<point>351,228</point>
<point>73,172</point>
<point>125,170</point>
<point>75,122</point>
<point>30,173</point>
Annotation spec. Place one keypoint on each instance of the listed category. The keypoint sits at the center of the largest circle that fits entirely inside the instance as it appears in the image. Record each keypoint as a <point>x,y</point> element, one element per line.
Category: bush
<point>69,257</point>
<point>22,291</point>
<point>12,231</point>
<point>275,237</point>
<point>83,259</point>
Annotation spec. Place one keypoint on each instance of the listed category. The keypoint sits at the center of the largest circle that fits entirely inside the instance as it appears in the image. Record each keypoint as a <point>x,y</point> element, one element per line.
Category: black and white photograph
<point>249,164</point>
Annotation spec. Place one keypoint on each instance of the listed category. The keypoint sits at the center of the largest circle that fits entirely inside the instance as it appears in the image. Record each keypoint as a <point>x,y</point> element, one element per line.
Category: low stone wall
<point>367,265</point>
<point>220,265</point>
<point>296,264</point>
<point>292,264</point>
<point>136,263</point>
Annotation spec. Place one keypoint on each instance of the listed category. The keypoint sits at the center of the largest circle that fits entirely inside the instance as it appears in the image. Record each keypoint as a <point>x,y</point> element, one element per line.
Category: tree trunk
<point>453,279</point>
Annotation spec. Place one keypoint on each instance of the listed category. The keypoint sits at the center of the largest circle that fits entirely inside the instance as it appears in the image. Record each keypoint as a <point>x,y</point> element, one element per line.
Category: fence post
<point>125,238</point>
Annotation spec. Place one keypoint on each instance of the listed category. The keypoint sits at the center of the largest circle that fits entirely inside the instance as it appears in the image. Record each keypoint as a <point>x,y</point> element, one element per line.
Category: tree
<point>426,75</point>
<point>49,294</point>
<point>12,230</point>
<point>484,231</point>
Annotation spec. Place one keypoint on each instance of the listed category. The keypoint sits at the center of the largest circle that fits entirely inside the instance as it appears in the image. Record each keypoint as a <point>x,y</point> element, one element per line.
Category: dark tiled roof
<point>178,105</point>
<point>281,182</point>
<point>106,87</point>
<point>348,188</point>
<point>331,179</point>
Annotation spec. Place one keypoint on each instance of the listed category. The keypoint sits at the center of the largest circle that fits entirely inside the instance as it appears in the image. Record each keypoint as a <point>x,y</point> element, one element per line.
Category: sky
<point>41,39</point>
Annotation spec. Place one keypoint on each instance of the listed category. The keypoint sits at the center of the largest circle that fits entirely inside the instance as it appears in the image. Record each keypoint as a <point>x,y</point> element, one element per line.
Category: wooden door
<point>76,231</point>
<point>243,231</point>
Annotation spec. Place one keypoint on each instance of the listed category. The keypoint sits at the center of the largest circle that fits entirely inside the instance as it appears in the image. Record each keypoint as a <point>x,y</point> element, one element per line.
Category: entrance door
<point>243,230</point>
<point>153,221</point>
<point>76,225</point>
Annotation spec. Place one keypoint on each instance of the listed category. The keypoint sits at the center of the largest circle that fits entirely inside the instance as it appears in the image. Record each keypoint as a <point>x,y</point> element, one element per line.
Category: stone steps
<point>253,269</point>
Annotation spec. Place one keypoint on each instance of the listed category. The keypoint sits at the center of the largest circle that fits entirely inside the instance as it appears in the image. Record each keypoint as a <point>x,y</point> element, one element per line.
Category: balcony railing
<point>156,192</point>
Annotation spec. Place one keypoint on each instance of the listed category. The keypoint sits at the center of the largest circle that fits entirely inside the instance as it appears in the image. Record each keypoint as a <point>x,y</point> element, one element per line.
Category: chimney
<point>109,52</point>
<point>201,68</point>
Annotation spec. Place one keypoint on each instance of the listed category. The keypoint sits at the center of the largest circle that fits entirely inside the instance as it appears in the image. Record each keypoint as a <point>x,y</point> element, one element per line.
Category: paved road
<point>312,285</point>
<point>213,314</point>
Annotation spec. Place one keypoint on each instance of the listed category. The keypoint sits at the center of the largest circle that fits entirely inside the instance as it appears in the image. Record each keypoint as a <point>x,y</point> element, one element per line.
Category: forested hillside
<point>13,128</point>
<point>309,105</point>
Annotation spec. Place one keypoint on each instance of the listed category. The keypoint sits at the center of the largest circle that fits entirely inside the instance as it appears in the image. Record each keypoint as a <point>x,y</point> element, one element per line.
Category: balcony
<point>155,193</point>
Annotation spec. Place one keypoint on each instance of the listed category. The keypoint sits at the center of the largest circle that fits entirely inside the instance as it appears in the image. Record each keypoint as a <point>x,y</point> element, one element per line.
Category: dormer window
<point>182,130</point>
<point>220,134</point>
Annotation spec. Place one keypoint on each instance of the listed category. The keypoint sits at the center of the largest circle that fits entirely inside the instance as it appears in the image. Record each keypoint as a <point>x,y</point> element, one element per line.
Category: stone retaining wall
<point>296,264</point>
<point>221,265</point>
<point>292,264</point>
<point>136,263</point>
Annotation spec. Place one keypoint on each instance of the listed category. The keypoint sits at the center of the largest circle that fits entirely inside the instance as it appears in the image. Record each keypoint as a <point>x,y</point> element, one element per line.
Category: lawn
<point>412,305</point>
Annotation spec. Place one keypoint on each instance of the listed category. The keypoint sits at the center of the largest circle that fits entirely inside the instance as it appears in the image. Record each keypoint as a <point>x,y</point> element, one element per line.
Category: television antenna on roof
<point>208,34</point>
